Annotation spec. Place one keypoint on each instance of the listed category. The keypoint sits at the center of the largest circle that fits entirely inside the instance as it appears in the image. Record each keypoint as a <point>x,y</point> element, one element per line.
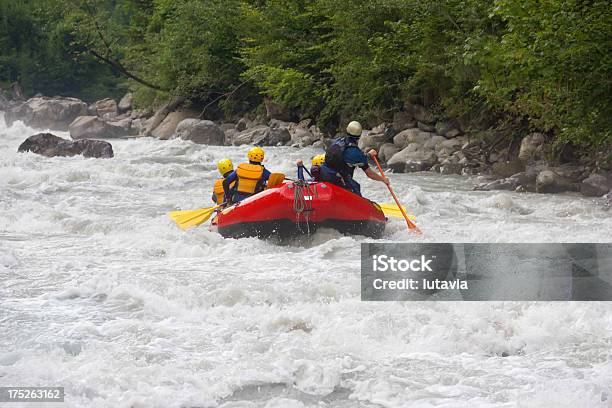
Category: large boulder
<point>127,125</point>
<point>549,181</point>
<point>449,167</point>
<point>126,103</point>
<point>302,137</point>
<point>403,121</point>
<point>92,127</point>
<point>448,128</point>
<point>531,147</point>
<point>425,127</point>
<point>386,151</point>
<point>244,124</point>
<point>404,138</point>
<point>596,185</point>
<point>444,148</point>
<point>523,181</point>
<point>229,136</point>
<point>50,145</point>
<point>435,142</point>
<point>412,158</point>
<point>47,113</point>
<point>372,141</point>
<point>263,136</point>
<point>201,132</point>
<point>105,108</point>
<point>167,127</point>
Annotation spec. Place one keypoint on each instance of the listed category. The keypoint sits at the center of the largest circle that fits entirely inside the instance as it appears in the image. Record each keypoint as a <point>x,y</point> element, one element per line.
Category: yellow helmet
<point>224,166</point>
<point>256,154</point>
<point>318,160</point>
<point>354,128</point>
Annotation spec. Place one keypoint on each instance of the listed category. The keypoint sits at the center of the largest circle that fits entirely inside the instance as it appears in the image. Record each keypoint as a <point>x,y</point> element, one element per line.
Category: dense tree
<point>544,65</point>
<point>37,51</point>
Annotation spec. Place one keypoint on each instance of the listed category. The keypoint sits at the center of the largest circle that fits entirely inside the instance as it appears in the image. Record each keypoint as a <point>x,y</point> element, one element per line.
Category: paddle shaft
<point>410,224</point>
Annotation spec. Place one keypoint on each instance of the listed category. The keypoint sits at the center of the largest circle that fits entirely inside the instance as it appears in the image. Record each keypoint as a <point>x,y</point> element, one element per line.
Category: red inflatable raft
<point>300,208</point>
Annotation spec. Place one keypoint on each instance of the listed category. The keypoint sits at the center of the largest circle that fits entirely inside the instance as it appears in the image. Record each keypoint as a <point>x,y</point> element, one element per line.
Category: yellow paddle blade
<point>275,180</point>
<point>190,218</point>
<point>392,210</point>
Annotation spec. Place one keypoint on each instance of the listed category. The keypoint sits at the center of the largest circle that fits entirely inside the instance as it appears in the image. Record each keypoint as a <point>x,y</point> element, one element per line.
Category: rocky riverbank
<point>415,140</point>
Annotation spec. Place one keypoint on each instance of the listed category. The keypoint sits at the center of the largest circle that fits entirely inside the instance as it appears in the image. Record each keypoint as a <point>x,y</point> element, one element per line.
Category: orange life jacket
<point>218,190</point>
<point>249,176</point>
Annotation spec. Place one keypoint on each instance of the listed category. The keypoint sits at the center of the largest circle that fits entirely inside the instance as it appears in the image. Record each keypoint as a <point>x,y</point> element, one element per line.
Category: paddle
<point>190,218</point>
<point>410,224</point>
<point>392,210</point>
<point>275,180</point>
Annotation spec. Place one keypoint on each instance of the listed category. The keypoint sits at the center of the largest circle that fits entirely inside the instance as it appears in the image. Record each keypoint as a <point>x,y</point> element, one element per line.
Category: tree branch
<point>227,95</point>
<point>119,67</point>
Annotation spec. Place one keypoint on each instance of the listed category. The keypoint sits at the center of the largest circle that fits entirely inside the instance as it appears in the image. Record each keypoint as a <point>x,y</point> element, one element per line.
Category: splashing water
<point>102,294</point>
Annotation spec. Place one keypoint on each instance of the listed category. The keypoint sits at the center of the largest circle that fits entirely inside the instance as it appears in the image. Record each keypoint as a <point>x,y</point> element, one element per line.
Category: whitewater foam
<point>103,295</point>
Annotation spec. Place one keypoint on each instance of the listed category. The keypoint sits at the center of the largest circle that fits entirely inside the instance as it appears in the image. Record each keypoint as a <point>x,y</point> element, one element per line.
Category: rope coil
<point>301,205</point>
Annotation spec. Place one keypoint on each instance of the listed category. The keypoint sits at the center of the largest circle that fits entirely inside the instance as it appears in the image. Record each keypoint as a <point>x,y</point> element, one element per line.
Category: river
<point>102,294</point>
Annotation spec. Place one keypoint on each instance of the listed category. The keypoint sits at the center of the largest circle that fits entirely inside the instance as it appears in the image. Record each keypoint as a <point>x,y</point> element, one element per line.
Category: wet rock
<point>596,185</point>
<point>201,132</point>
<point>549,181</point>
<point>408,136</point>
<point>425,127</point>
<point>386,151</point>
<point>230,134</point>
<point>140,113</point>
<point>319,144</point>
<point>531,147</point>
<point>47,113</point>
<point>243,124</point>
<point>501,184</point>
<point>445,148</point>
<point>105,108</point>
<point>434,142</point>
<point>276,124</point>
<point>263,136</point>
<point>448,128</point>
<point>49,145</point>
<point>403,121</point>
<point>126,125</point>
<point>302,137</point>
<point>125,104</point>
<point>507,169</point>
<point>167,128</point>
<point>372,141</point>
<point>412,158</point>
<point>449,167</point>
<point>453,133</point>
<point>523,180</point>
<point>92,127</point>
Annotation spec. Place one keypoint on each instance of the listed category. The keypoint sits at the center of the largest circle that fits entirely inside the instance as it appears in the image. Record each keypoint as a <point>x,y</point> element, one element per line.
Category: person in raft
<point>225,167</point>
<point>315,169</point>
<point>250,178</point>
<point>343,156</point>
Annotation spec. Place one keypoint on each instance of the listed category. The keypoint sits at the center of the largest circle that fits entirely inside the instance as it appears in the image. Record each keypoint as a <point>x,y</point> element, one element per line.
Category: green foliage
<point>546,64</point>
<point>36,51</point>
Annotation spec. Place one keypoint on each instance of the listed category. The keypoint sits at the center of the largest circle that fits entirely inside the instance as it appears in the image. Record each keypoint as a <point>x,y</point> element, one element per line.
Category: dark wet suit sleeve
<point>226,185</point>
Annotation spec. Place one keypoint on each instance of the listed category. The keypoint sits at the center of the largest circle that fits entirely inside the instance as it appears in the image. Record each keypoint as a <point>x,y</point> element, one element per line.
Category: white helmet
<point>354,128</point>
